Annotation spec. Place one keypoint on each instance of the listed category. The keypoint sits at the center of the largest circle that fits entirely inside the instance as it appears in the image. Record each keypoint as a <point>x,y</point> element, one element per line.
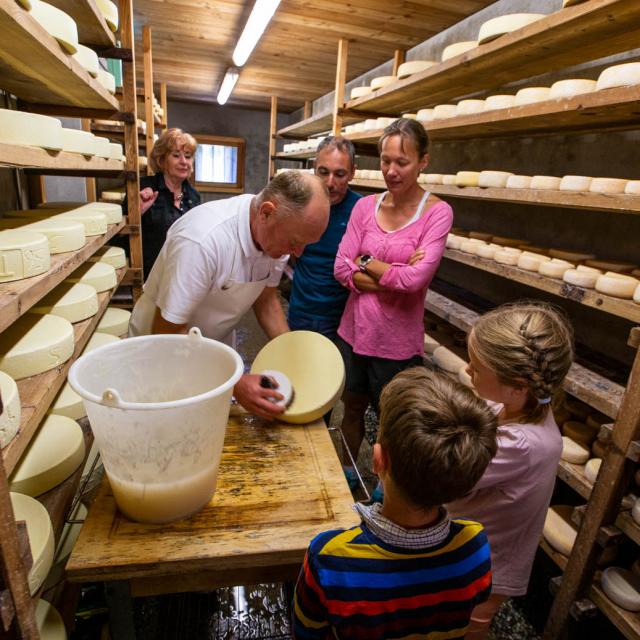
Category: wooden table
<point>278,486</point>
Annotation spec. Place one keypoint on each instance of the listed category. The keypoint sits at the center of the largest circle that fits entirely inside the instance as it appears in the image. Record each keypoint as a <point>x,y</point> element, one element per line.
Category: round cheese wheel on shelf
<point>111,210</point>
<point>384,122</point>
<point>382,81</point>
<point>360,92</point>
<point>414,66</point>
<point>502,25</point>
<point>54,453</point>
<point>490,179</point>
<point>115,151</point>
<point>607,265</point>
<point>11,411</point>
<point>424,115</point>
<point>430,344</point>
<point>449,179</point>
<point>57,23</point>
<point>68,403</point>
<point>73,302</point>
<point>469,107</point>
<point>433,178</point>
<point>31,129</point>
<point>109,11</point>
<point>443,111</point>
<point>554,268</point>
<point>101,146</point>
<point>471,246</point>
<point>617,285</point>
<point>100,275</point>
<point>519,182</point>
<point>499,101</point>
<point>622,587</point>
<point>529,95</point>
<point>592,468</point>
<point>62,235</point>
<point>358,126</point>
<point>410,116</point>
<point>370,124</point>
<point>632,188</point>
<point>34,344</point>
<point>49,622</point>
<point>95,223</point>
<point>571,87</point>
<point>607,185</point>
<point>88,59</point>
<point>467,178</point>
<point>23,254</point>
<point>545,182</point>
<point>575,183</point>
<point>488,251</point>
<point>107,80</point>
<point>531,261</point>
<point>112,196</point>
<point>464,377</point>
<point>98,339</point>
<point>579,432</point>
<point>570,256</point>
<point>458,48</point>
<point>559,531</point>
<point>620,75</point>
<point>114,321</point>
<point>454,241</point>
<point>115,256</point>
<point>78,141</point>
<point>573,451</point>
<point>583,279</point>
<point>447,360</point>
<point>506,257</point>
<point>40,532</point>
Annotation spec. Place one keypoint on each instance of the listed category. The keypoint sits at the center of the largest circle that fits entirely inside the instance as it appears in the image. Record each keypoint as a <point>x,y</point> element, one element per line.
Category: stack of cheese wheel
<point>40,532</point>
<point>115,256</point>
<point>559,530</point>
<point>88,59</point>
<point>54,453</point>
<point>114,322</point>
<point>100,275</point>
<point>73,302</point>
<point>23,254</point>
<point>617,285</point>
<point>555,268</point>
<point>502,25</point>
<point>49,622</point>
<point>622,587</point>
<point>11,409</point>
<point>30,129</point>
<point>56,22</point>
<point>620,75</point>
<point>62,235</point>
<point>414,66</point>
<point>573,451</point>
<point>458,48</point>
<point>34,344</point>
<point>115,197</point>
<point>581,276</point>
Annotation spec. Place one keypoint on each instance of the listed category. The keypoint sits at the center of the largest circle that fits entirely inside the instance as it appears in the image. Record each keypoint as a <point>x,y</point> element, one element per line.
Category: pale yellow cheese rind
<point>73,302</point>
<point>530,95</point>
<point>571,87</point>
<point>360,92</point>
<point>49,622</point>
<point>458,48</point>
<point>88,58</point>
<point>499,101</point>
<point>545,182</point>
<point>382,81</point>
<point>114,321</point>
<point>99,339</point>
<point>31,129</point>
<point>115,256</point>
<point>68,403</point>
<point>620,75</point>
<point>100,275</point>
<point>109,11</point>
<point>519,182</point>
<point>57,23</point>
<point>469,107</point>
<point>502,25</point>
<point>559,531</point>
<point>23,254</point>
<point>10,416</point>
<point>467,178</point>
<point>107,80</point>
<point>413,66</point>
<point>442,111</point>
<point>78,141</point>
<point>573,452</point>
<point>62,235</point>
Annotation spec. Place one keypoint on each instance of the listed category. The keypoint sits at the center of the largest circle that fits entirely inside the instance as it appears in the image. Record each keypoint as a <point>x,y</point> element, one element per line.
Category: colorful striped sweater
<point>354,585</point>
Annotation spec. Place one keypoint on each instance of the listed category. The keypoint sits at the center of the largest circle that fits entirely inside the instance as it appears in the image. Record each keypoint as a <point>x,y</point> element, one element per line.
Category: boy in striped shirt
<point>407,571</point>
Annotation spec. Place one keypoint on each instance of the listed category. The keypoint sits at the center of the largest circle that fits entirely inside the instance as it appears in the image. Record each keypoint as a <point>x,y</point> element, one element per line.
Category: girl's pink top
<point>388,324</point>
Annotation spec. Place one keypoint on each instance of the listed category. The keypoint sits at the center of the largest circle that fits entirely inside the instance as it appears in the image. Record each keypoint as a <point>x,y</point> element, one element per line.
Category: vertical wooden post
<point>90,183</point>
<point>37,189</point>
<point>398,59</point>
<point>341,76</point>
<point>273,124</point>
<point>601,510</point>
<point>130,106</point>
<point>163,104</point>
<point>148,92</point>
<point>307,110</point>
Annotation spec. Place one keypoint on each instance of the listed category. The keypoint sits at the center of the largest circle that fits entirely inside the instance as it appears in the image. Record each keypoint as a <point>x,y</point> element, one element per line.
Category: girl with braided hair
<point>519,355</point>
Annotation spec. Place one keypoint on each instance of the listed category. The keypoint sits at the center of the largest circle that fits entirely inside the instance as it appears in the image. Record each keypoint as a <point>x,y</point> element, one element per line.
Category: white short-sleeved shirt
<point>209,271</point>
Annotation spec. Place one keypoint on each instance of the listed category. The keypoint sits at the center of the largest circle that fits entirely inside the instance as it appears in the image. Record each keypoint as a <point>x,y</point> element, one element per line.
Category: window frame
<point>222,187</point>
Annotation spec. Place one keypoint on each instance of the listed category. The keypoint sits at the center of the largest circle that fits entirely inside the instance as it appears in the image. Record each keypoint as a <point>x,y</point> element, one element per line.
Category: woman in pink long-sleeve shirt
<point>388,256</point>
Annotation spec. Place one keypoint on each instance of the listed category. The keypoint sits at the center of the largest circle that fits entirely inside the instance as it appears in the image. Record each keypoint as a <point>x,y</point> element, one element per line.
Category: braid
<point>541,373</point>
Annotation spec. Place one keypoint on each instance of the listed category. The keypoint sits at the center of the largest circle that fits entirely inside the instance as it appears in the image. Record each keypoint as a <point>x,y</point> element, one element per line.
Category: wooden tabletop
<point>278,486</point>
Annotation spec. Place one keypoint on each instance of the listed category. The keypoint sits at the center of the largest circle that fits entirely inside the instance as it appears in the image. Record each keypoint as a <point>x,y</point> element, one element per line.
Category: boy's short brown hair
<point>439,436</point>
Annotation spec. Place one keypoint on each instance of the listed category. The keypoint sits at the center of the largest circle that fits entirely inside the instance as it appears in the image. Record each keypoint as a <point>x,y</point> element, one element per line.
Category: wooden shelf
<point>627,622</point>
<point>37,392</point>
<point>596,390</point>
<point>34,67</point>
<point>558,558</point>
<point>22,157</point>
<point>574,35</point>
<point>18,297</point>
<point>92,27</point>
<point>313,125</point>
<point>573,475</point>
<point>303,155</point>
<point>588,297</point>
<point>115,131</point>
<point>628,526</point>
<point>547,198</point>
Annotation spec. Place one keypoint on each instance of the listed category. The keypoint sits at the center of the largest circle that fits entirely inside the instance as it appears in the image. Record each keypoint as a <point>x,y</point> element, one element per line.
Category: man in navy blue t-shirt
<point>317,298</point>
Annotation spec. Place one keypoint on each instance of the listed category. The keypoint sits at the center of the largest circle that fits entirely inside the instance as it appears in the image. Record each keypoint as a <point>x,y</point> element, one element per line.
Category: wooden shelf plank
<point>609,109</point>
<point>34,67</point>
<point>313,125</point>
<point>628,526</point>
<point>22,157</point>
<point>18,297</point>
<point>573,475</point>
<point>92,27</point>
<point>567,37</point>
<point>558,558</point>
<point>549,198</point>
<point>627,622</point>
<point>588,297</point>
<point>590,387</point>
<point>304,155</point>
<point>115,131</point>
<point>37,392</point>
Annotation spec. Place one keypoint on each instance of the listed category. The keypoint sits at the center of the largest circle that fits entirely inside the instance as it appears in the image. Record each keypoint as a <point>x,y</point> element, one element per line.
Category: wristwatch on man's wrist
<point>364,261</point>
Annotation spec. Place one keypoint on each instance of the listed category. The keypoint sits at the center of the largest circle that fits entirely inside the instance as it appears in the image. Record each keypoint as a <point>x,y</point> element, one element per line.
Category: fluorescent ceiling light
<point>228,82</point>
<point>261,13</point>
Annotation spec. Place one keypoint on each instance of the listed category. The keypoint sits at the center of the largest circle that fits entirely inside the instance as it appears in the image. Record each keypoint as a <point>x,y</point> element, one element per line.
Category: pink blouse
<point>388,324</point>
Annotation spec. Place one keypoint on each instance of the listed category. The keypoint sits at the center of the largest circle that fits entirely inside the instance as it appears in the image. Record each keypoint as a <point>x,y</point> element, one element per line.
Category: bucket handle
<point>195,334</point>
<point>111,397</point>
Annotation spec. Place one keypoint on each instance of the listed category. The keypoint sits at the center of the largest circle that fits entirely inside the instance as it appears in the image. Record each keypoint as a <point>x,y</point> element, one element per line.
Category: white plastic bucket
<point>158,407</point>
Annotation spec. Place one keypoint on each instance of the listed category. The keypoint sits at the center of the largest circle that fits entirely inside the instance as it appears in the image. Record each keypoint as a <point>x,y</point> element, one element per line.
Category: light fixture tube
<point>261,13</point>
<point>228,82</point>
